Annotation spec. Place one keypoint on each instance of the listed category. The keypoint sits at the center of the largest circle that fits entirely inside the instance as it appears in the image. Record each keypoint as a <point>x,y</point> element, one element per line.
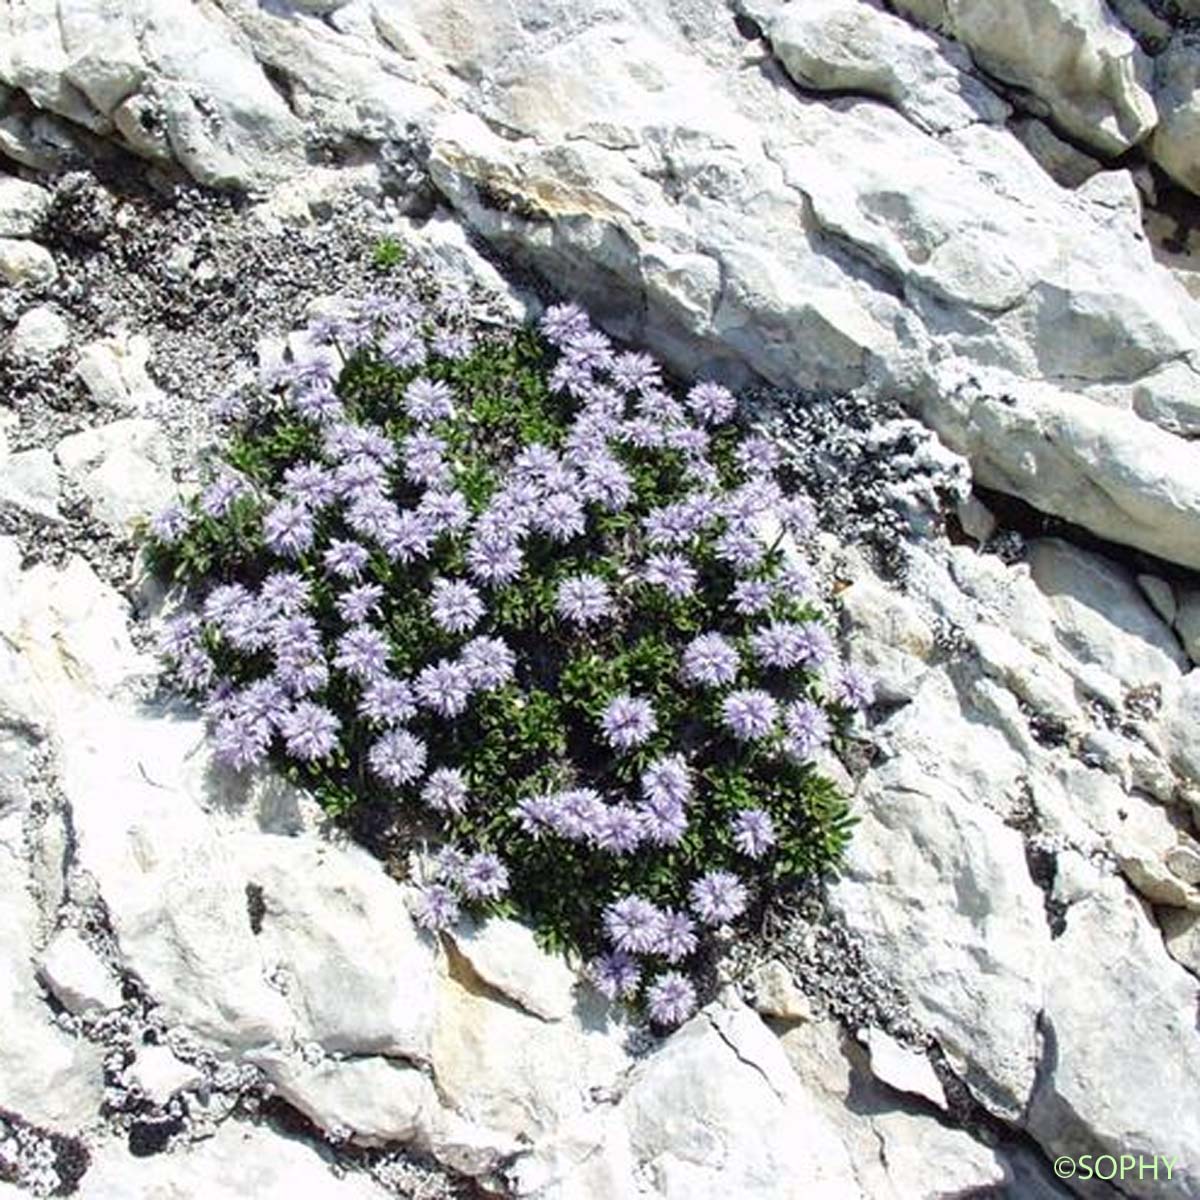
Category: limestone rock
<point>776,994</point>
<point>1161,596</point>
<point>22,206</point>
<point>1176,142</point>
<point>1187,624</point>
<point>902,1068</point>
<point>114,372</point>
<point>77,976</point>
<point>39,333</point>
<point>160,1075</point>
<point>1064,163</point>
<point>1181,936</point>
<point>26,263</point>
<point>29,484</point>
<point>123,468</point>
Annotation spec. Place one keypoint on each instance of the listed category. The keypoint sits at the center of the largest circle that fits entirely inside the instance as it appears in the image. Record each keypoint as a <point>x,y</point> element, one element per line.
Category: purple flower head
<point>636,372</point>
<point>692,442</point>
<point>403,347</point>
<point>617,828</point>
<point>388,701</point>
<point>261,700</point>
<point>741,548</point>
<point>170,524</point>
<point>664,822</point>
<point>362,652</point>
<point>310,485</point>
<point>615,975</point>
<point>855,688</point>
<point>223,601</point>
<point>179,635</point>
<point>710,661</point>
<point>628,722</point>
<point>427,402</point>
<point>590,349</point>
<point>436,908</point>
<point>484,877</point>
<point>563,323</point>
<point>445,511</point>
<point>758,455</point>
<point>285,592</point>
<point>815,644</point>
<point>753,832</point>
<point>288,529</point>
<point>577,814</point>
<point>217,499</point>
<point>250,625</point>
<point>749,714</point>
<point>798,517</point>
<point>444,687</point>
<point>560,517</point>
<point>572,376</point>
<point>795,581</point>
<point>360,478</point>
<point>424,460</point>
<point>673,573</point>
<point>712,403</point>
<point>667,780</point>
<point>194,670</point>
<point>631,924</point>
<point>718,897</point>
<point>494,559</point>
<point>316,401</point>
<point>752,596</point>
<point>319,368</point>
<point>807,728</point>
<point>584,600</point>
<point>240,742</point>
<point>456,605</point>
<point>488,662</point>
<point>445,791</point>
<point>453,343</point>
<point>780,644</point>
<point>346,559</point>
<point>406,537</point>
<point>229,406</point>
<point>671,999</point>
<point>754,498</point>
<point>676,936</point>
<point>536,814</point>
<point>605,482</point>
<point>356,604</point>
<point>397,758</point>
<point>449,863</point>
<point>310,730</point>
<point>536,462</point>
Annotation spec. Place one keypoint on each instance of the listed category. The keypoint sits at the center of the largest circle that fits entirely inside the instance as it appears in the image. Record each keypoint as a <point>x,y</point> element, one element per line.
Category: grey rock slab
<point>77,975</point>
<point>29,484</point>
<point>26,263</point>
<point>22,206</point>
<point>39,333</point>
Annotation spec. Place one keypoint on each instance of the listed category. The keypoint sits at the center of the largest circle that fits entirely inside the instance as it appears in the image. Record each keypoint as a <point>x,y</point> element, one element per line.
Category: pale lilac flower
<point>230,406</point>
<point>710,661</point>
<point>807,727</point>
<point>424,460</point>
<point>758,455</point>
<point>302,675</point>
<point>667,780</point>
<point>751,500</point>
<point>310,731</point>
<point>360,478</point>
<point>397,757</point>
<point>535,462</point>
<point>718,897</point>
<point>223,601</point>
<point>406,537</point>
<point>362,652</point>
<point>427,402</point>
<point>617,828</point>
<point>855,688</point>
<point>584,599</point>
<point>571,376</point>
<point>676,936</point>
<point>249,627</point>
<point>815,644</point>
<point>563,323</point>
<point>488,662</point>
<point>288,528</point>
<point>170,524</point>
<point>484,877</point>
<point>615,975</point>
<point>445,511</point>
<point>356,604</point>
<point>636,372</point>
<point>194,669</point>
<point>445,791</point>
<point>692,442</point>
<point>795,581</point>
<point>749,714</point>
<point>285,592</point>
<point>448,864</point>
<point>753,832</point>
<point>180,635</point>
<point>436,908</point>
<point>346,559</point>
<point>456,605</point>
<point>261,700</point>
<point>631,924</point>
<point>628,722</point>
<point>560,517</point>
<point>310,485</point>
<point>241,742</point>
<point>403,347</point>
<point>663,822</point>
<point>536,814</point>
<point>590,349</point>
<point>452,343</point>
<point>217,499</point>
<point>494,559</point>
<point>780,644</point>
<point>712,403</point>
<point>673,573</point>
<point>388,701</point>
<point>643,433</point>
<point>671,999</point>
<point>752,596</point>
<point>577,813</point>
<point>741,548</point>
<point>317,402</point>
<point>798,517</point>
<point>605,482</point>
<point>444,687</point>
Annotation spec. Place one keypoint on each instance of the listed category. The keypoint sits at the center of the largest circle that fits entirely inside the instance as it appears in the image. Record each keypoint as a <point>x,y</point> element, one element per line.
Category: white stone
<point>1181,718</point>
<point>29,484</point>
<point>1161,596</point>
<point>1064,163</point>
<point>22,206</point>
<point>1187,623</point>
<point>1176,140</point>
<point>39,333</point>
<point>776,994</point>
<point>241,1160</point>
<point>160,1075</point>
<point>122,467</point>
<point>902,1068</point>
<point>976,519</point>
<point>114,372</point>
<point>77,976</point>
<point>26,263</point>
<point>1181,936</point>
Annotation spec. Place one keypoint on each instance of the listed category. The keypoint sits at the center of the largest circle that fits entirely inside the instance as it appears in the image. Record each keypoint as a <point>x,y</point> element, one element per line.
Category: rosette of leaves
<point>524,589</point>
